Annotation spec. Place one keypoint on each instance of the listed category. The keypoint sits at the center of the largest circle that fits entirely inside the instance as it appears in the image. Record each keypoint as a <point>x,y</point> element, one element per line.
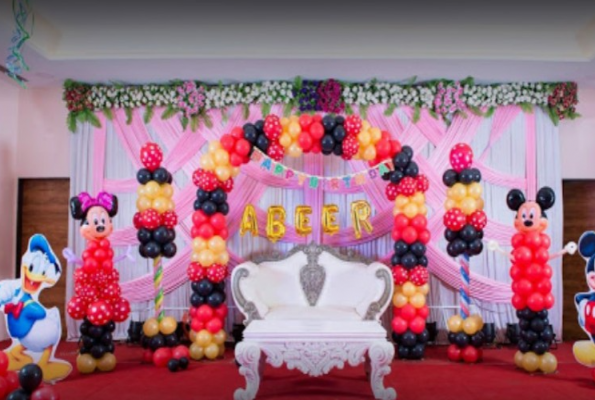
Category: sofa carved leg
<point>248,355</point>
<point>381,355</point>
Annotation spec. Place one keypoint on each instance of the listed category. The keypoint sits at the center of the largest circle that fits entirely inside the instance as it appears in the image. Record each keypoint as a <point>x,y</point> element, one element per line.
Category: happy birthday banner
<point>316,181</point>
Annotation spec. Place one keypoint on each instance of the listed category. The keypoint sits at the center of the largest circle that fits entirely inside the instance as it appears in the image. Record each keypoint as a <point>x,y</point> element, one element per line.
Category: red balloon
<point>593,373</point>
<point>3,364</point>
<point>516,272</point>
<point>162,356</point>
<point>401,221</point>
<point>517,240</point>
<point>305,121</point>
<point>522,255</point>
<point>90,265</point>
<point>316,148</point>
<point>518,302</point>
<point>535,302</point>
<point>396,234</point>
<point>470,354</point>
<point>107,264</point>
<point>541,255</point>
<point>151,156</point>
<point>197,325</point>
<point>206,231</point>
<point>45,393</point>
<point>121,310</point>
<point>99,313</point>
<point>547,271</point>
<point>12,378</point>
<point>548,301</point>
<point>408,312</point>
<point>417,325</point>
<point>316,130</point>
<point>395,147</point>
<point>305,141</point>
<point>214,325</point>
<point>76,308</point>
<point>424,236</point>
<point>227,142</point>
<point>419,222</point>
<point>461,157</point>
<point>224,233</point>
<point>546,242</point>
<point>453,353</point>
<point>544,286</point>
<point>399,325</point>
<point>533,240</point>
<point>242,147</point>
<point>383,149</point>
<point>222,311</point>
<point>3,388</point>
<point>105,243</point>
<point>454,219</point>
<point>136,221</point>
<point>534,272</point>
<point>204,313</point>
<point>147,356</point>
<point>237,132</point>
<point>423,311</point>
<point>523,287</point>
<point>409,235</point>
<point>199,218</point>
<point>478,219</point>
<point>180,352</point>
<point>235,159</point>
<point>218,221</point>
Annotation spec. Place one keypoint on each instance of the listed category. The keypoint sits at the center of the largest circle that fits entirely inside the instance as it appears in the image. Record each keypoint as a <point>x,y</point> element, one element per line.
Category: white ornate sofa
<point>313,310</point>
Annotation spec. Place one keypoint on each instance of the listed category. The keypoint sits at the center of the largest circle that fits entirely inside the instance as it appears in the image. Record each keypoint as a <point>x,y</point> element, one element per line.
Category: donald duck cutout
<point>584,350</point>
<point>35,331</point>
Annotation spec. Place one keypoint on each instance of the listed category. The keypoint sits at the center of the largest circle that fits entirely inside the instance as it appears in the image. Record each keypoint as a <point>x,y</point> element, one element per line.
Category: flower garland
<point>442,98</point>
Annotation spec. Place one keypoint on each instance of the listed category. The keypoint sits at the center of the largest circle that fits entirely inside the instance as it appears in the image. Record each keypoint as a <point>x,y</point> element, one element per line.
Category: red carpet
<point>433,378</point>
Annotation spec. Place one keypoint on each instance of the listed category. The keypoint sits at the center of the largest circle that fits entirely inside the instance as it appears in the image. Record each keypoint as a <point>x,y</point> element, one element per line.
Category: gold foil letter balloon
<point>275,223</point>
<point>329,219</point>
<point>249,222</point>
<point>302,220</point>
<point>360,212</point>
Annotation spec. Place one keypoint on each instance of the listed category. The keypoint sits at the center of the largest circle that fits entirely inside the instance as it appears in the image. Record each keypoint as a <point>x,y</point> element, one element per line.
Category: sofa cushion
<point>313,313</point>
<point>278,283</point>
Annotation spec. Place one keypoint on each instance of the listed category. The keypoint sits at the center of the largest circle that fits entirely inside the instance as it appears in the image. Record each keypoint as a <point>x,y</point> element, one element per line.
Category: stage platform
<point>433,378</point>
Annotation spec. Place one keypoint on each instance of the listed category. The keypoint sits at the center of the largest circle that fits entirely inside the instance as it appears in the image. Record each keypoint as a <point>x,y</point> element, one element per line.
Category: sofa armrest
<point>378,301</point>
<point>245,294</point>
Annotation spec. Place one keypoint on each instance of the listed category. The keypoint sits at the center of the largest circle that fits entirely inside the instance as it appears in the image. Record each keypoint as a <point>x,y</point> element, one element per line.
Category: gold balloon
<point>168,325</point>
<point>455,324</point>
<point>408,289</point>
<point>360,212</point>
<point>167,191</point>
<point>235,171</point>
<point>285,140</point>
<point>214,145</point>
<point>294,129</point>
<point>418,300</point>
<point>194,256</point>
<point>249,222</point>
<point>474,190</point>
<point>401,201</point>
<point>302,220</point>
<point>206,162</point>
<point>468,205</point>
<point>423,210</point>
<point>449,203</point>
<point>365,125</point>
<point>548,363</point>
<point>364,138</point>
<point>411,210</point>
<point>584,353</point>
<point>284,122</point>
<point>423,289</point>
<point>478,320</point>
<point>107,362</point>
<point>143,203</point>
<point>375,134</point>
<point>223,172</point>
<point>151,327</point>
<point>212,351</point>
<point>294,150</point>
<point>219,337</point>
<point>192,336</point>
<point>171,206</point>
<point>160,204</point>
<point>196,352</point>
<point>204,338</point>
<point>479,204</point>
<point>418,198</point>
<point>399,300</point>
<point>458,191</point>
<point>222,258</point>
<point>206,258</point>
<point>141,191</point>
<point>275,223</point>
<point>518,359</point>
<point>530,362</point>
<point>216,244</point>
<point>221,157</point>
<point>199,244</point>
<point>152,189</point>
<point>85,364</point>
<point>329,219</point>
<point>470,326</point>
<point>369,153</point>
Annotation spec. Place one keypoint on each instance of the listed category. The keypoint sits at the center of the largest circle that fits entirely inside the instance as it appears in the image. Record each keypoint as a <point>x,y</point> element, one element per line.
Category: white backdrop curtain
<point>506,154</point>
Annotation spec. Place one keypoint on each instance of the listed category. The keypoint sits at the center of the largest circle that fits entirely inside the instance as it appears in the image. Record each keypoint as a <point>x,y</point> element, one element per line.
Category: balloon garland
<point>348,137</point>
<point>155,222</point>
<point>97,299</point>
<point>409,262</point>
<point>464,221</point>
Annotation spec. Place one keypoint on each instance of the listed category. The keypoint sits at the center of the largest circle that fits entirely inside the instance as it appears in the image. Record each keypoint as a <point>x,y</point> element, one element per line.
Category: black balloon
<point>412,169</point>
<point>476,175</point>
<point>466,176</point>
<point>450,235</point>
<point>251,135</point>
<point>329,123</point>
<point>452,337</point>
<point>262,143</point>
<point>110,348</point>
<point>418,249</point>
<point>157,342</point>
<point>171,235</point>
<point>161,235</point>
<point>183,362</point>
<point>152,249</point>
<point>475,247</point>
<point>523,346</point>
<point>169,250</point>
<point>202,195</point>
<point>84,328</point>
<point>396,176</point>
<point>98,351</point>
<point>401,247</point>
<point>144,235</point>
<point>525,313</point>
<point>403,352</point>
<point>160,175</point>
<point>409,260</point>
<point>218,196</point>
<point>259,125</point>
<point>395,260</point>
<point>547,334</point>
<point>423,337</point>
<point>95,331</point>
<point>327,143</point>
<point>422,260</point>
<point>172,340</point>
<point>173,365</point>
<point>196,205</point>
<point>340,120</point>
<point>338,150</point>
<point>208,207</point>
<point>529,336</point>
<point>106,338</point>
<point>401,160</point>
<point>461,339</point>
<point>524,324</point>
<point>468,233</point>
<point>30,377</point>
<point>408,151</point>
<point>327,152</point>
<point>541,314</point>
<point>450,177</point>
<point>538,324</point>
<point>204,287</point>
<point>223,208</point>
<point>478,339</point>
<point>417,352</point>
<point>143,176</point>
<point>540,347</point>
<point>197,300</point>
<point>396,338</point>
<point>339,133</point>
<point>408,339</point>
<point>19,394</point>
<point>87,341</point>
<point>216,299</point>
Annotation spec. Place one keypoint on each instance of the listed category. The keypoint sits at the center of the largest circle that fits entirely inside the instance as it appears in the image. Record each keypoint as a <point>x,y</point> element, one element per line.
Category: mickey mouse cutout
<point>584,351</point>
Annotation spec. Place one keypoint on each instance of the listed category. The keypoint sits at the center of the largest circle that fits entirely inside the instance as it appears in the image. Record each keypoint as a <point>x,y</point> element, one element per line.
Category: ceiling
<point>134,42</point>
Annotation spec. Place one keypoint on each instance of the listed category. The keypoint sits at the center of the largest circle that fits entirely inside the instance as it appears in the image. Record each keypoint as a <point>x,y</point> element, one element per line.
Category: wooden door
<point>43,208</point>
<point>579,216</point>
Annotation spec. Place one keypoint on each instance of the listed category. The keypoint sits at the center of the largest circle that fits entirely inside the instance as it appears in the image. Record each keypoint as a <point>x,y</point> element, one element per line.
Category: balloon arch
<point>349,137</point>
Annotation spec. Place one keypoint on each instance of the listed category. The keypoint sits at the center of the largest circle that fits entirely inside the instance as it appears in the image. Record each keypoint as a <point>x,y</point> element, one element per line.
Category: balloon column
<point>97,297</point>
<point>26,385</point>
<point>584,350</point>
<point>409,262</point>
<point>531,279</point>
<point>464,221</point>
<point>155,222</point>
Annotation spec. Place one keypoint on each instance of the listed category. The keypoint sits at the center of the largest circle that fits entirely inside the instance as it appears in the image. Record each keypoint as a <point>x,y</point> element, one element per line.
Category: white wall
<point>577,140</point>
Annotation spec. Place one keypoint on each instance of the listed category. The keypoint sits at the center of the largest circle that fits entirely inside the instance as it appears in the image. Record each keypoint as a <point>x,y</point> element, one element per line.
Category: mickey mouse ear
<point>546,198</point>
<point>586,244</point>
<point>515,199</point>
